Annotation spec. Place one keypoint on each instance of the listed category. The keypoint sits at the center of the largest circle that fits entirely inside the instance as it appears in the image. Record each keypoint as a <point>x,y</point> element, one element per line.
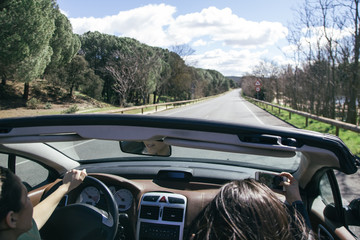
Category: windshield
<point>90,150</point>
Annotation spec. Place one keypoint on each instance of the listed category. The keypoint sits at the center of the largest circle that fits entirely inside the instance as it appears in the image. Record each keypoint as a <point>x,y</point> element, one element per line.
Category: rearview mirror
<point>153,148</point>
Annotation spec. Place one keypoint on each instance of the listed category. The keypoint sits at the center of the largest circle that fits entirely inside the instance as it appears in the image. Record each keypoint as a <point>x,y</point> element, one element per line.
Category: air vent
<point>151,198</point>
<point>4,130</point>
<point>173,214</point>
<point>149,212</point>
<point>175,200</point>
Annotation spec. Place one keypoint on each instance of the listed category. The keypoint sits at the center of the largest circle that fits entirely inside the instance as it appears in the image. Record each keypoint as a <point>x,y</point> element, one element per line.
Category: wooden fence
<point>157,106</point>
<point>336,123</point>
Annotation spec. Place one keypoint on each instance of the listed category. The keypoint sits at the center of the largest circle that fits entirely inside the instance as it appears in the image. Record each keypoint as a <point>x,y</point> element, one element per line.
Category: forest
<point>37,42</point>
<point>323,77</point>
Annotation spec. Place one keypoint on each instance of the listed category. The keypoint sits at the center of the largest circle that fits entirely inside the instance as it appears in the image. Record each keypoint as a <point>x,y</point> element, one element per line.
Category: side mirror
<point>353,212</point>
<point>152,148</point>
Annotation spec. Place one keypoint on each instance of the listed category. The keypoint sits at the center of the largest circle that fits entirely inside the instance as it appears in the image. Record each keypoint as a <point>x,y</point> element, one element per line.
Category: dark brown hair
<point>10,192</point>
<point>247,210</point>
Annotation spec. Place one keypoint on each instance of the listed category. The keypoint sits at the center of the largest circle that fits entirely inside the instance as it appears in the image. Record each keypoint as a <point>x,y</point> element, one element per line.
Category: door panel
<point>327,213</point>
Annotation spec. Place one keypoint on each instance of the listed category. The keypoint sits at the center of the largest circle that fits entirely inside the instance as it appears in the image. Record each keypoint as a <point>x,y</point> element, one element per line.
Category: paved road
<point>231,107</point>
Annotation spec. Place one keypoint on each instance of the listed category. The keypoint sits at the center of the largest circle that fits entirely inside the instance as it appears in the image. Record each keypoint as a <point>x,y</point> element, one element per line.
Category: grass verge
<point>350,138</point>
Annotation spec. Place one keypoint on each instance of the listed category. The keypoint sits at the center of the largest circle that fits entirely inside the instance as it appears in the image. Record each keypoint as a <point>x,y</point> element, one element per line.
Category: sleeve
<point>299,206</point>
<point>32,234</point>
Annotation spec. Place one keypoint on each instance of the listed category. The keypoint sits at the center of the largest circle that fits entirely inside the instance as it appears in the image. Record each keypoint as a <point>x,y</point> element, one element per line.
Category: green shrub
<point>48,105</point>
<point>33,103</point>
<point>71,109</point>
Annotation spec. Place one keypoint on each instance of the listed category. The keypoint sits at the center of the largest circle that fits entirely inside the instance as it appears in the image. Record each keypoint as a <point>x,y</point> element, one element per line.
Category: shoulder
<point>32,234</point>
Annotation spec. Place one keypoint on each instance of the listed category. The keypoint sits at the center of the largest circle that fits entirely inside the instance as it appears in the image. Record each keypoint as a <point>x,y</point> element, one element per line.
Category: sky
<point>230,36</point>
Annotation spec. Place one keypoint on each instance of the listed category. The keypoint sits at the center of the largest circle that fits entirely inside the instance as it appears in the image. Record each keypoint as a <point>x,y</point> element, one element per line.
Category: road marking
<point>22,162</point>
<point>76,145</point>
<point>253,114</point>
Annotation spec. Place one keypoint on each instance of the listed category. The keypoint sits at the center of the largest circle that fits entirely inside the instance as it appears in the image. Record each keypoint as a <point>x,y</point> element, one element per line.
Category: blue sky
<point>230,36</point>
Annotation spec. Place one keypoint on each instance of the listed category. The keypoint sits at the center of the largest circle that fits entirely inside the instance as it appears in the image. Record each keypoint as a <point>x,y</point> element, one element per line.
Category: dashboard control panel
<point>162,216</point>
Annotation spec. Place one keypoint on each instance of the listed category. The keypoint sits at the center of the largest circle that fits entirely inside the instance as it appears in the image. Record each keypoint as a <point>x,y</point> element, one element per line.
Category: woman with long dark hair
<point>247,209</point>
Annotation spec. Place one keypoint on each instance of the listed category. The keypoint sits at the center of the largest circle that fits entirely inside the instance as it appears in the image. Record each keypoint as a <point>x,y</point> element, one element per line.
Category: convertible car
<point>150,176</point>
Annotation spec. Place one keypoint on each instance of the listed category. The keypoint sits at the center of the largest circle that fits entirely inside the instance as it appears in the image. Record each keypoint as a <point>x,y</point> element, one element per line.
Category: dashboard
<point>157,207</point>
<point>149,208</point>
<point>93,196</point>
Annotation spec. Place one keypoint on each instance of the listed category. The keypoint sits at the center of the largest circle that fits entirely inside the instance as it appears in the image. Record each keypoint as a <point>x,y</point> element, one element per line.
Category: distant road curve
<point>230,107</point>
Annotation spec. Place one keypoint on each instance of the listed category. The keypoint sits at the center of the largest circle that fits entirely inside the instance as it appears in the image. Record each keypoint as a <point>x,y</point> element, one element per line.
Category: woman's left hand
<point>74,178</point>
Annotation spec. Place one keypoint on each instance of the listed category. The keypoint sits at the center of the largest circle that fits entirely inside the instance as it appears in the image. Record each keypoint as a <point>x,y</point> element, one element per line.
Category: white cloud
<point>199,43</point>
<point>155,25</point>
<point>224,26</point>
<point>145,24</point>
<point>232,62</point>
<point>64,12</point>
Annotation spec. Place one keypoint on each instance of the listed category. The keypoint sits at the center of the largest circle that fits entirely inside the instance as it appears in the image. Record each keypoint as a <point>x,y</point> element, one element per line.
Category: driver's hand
<point>292,188</point>
<point>74,178</point>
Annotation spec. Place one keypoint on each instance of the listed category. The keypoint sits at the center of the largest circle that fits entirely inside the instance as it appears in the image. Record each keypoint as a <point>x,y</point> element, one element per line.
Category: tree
<point>98,49</point>
<point>328,44</point>
<point>26,29</point>
<point>184,51</point>
<point>163,73</point>
<point>93,85</point>
<point>354,16</point>
<point>64,43</point>
<point>132,71</point>
<point>123,69</point>
<point>146,76</point>
<point>76,72</point>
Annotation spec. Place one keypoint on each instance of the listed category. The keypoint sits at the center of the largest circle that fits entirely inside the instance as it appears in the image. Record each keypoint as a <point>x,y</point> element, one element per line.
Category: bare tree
<point>323,55</point>
<point>123,68</point>
<point>184,51</point>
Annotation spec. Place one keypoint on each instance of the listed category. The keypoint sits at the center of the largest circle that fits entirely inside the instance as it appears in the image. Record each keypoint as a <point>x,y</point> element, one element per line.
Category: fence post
<point>289,115</point>
<point>306,122</point>
<point>337,131</point>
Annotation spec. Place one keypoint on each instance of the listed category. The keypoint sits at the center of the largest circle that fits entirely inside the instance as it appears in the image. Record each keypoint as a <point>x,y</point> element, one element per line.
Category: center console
<point>161,216</point>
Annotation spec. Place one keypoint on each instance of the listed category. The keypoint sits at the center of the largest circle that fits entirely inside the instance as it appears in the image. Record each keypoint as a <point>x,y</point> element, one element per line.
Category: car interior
<point>138,194</point>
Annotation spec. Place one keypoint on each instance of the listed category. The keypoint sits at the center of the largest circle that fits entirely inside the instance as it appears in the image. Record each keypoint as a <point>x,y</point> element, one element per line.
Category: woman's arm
<point>45,208</point>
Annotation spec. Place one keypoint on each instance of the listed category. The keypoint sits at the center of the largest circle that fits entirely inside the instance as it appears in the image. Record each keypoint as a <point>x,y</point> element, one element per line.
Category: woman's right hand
<point>292,193</point>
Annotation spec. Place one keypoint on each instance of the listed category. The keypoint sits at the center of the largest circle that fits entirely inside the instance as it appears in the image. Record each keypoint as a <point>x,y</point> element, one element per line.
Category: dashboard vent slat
<point>149,212</point>
<point>173,214</point>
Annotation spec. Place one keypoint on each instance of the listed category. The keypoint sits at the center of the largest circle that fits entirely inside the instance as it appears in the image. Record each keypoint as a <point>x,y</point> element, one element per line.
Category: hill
<point>44,100</point>
<point>237,80</point>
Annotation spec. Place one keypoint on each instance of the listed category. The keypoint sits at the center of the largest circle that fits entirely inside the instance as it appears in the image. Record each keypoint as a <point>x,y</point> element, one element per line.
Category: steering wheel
<point>83,221</point>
